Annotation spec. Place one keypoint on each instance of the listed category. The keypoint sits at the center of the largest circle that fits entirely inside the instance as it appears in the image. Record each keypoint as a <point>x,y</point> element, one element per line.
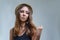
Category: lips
<point>23,17</point>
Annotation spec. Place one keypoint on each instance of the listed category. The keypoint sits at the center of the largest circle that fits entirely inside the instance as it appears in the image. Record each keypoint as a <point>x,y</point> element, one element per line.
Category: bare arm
<point>11,37</point>
<point>39,31</point>
<point>34,37</point>
<point>37,34</point>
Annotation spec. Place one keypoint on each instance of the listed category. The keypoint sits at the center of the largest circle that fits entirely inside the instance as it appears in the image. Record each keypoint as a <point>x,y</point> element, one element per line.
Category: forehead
<point>24,8</point>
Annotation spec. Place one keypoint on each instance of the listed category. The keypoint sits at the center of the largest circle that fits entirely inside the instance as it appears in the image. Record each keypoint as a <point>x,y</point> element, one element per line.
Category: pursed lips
<point>23,17</point>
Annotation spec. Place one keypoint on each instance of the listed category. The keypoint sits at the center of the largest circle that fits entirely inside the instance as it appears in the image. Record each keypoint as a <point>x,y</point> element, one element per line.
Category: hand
<point>40,27</point>
<point>39,30</point>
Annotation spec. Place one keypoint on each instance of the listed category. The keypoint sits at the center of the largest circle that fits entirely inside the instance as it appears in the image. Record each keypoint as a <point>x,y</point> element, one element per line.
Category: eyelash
<point>27,13</point>
<point>23,12</point>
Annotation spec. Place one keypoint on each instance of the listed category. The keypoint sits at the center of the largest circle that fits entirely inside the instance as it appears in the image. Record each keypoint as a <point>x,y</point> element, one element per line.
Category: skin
<point>24,14</point>
<point>23,17</point>
<point>24,11</point>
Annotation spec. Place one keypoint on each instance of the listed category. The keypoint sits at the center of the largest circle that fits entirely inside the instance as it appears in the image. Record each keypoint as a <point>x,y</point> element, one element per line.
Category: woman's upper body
<point>24,28</point>
<point>24,36</point>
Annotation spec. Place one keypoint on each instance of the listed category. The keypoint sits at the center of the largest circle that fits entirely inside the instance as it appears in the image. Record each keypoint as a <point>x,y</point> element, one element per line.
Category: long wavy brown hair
<point>30,26</point>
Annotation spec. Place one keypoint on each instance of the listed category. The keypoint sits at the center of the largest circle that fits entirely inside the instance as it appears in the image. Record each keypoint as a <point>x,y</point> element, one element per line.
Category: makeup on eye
<point>22,11</point>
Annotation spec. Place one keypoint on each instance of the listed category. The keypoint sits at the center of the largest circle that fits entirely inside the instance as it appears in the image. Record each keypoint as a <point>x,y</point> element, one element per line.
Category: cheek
<point>27,16</point>
<point>21,14</point>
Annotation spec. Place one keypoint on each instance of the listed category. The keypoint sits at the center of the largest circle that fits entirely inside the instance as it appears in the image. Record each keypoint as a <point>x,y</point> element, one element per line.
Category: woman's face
<point>24,13</point>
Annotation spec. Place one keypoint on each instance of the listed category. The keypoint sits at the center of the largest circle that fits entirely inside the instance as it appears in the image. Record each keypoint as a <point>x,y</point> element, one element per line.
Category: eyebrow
<point>23,10</point>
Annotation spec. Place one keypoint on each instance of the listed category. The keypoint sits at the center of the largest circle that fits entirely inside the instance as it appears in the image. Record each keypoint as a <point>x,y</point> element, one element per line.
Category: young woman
<point>24,28</point>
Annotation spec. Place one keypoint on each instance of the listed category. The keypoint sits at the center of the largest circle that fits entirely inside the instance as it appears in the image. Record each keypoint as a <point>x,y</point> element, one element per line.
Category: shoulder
<point>11,34</point>
<point>11,30</point>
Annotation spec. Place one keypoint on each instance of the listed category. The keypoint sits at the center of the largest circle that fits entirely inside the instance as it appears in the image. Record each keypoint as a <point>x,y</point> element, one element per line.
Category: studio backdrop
<point>45,13</point>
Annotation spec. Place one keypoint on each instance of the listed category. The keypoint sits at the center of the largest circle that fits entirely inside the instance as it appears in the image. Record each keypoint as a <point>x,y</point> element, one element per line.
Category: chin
<point>23,20</point>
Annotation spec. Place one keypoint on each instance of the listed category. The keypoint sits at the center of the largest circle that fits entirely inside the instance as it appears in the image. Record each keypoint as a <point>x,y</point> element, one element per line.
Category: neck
<point>23,24</point>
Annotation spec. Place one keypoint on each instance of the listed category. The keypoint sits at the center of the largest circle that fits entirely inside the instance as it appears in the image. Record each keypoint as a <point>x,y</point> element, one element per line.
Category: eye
<point>21,11</point>
<point>27,12</point>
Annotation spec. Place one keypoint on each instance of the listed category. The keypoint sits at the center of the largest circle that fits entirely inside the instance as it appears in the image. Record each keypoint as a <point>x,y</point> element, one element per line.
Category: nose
<point>23,14</point>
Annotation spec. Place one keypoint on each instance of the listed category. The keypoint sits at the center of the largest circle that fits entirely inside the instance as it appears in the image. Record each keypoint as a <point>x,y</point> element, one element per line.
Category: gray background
<point>46,13</point>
